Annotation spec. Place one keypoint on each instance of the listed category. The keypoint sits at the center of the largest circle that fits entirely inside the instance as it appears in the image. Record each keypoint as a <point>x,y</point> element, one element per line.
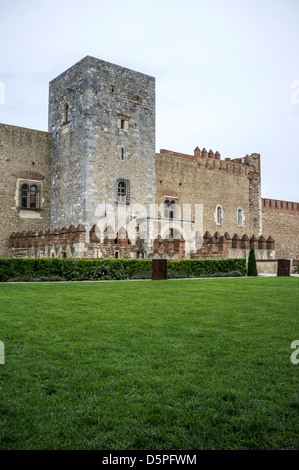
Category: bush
<point>252,267</point>
<point>228,274</point>
<point>199,268</point>
<point>29,270</point>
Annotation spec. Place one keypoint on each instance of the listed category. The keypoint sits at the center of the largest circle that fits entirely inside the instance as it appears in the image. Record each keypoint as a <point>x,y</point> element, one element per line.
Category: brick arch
<point>169,193</point>
<point>29,175</point>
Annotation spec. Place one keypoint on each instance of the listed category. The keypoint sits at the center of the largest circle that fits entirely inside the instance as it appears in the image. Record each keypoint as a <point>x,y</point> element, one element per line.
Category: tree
<point>252,267</point>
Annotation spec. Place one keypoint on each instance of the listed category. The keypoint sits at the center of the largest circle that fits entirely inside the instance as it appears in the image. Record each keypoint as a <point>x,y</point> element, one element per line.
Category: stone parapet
<point>225,246</point>
<point>274,205</point>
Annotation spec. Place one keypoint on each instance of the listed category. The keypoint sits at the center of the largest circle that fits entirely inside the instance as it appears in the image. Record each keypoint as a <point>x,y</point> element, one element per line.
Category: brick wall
<point>281,221</point>
<point>224,246</point>
<point>203,178</point>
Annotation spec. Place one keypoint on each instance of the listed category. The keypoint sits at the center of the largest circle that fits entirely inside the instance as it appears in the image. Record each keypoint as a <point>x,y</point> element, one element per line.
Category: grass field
<point>155,365</point>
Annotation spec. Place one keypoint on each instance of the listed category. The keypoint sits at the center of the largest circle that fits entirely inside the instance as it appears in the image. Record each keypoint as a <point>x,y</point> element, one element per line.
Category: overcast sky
<point>227,71</point>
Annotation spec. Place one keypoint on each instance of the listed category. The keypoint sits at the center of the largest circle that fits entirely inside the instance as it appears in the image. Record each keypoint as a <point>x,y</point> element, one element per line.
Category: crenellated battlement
<point>274,205</point>
<point>48,237</point>
<point>65,235</point>
<point>169,247</point>
<point>225,246</point>
<point>72,242</point>
<point>212,161</point>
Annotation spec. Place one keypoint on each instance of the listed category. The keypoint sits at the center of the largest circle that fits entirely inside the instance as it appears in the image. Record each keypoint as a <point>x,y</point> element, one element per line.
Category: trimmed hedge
<point>108,269</point>
<point>201,267</point>
<point>74,269</point>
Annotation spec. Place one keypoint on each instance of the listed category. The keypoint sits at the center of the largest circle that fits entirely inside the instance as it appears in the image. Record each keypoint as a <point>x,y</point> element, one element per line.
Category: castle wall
<point>206,179</point>
<point>71,242</point>
<point>24,157</point>
<point>281,221</point>
<point>101,132</point>
<point>223,246</point>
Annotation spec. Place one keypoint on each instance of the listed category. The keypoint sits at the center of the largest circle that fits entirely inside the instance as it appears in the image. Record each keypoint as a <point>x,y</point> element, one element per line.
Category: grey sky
<point>224,70</point>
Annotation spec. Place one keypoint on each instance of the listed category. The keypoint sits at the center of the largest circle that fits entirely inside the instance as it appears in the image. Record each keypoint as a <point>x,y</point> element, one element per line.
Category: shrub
<point>199,268</point>
<point>252,267</point>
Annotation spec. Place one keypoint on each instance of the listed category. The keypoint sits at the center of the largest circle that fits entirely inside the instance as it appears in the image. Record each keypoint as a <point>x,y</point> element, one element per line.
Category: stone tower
<point>102,119</point>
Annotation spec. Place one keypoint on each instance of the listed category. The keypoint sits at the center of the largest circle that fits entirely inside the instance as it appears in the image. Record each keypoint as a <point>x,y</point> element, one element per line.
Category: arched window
<point>24,196</point>
<point>30,195</point>
<point>66,113</point>
<point>166,209</point>
<point>169,209</point>
<point>219,215</point>
<point>33,197</point>
<point>172,210</point>
<point>121,192</point>
<point>240,217</point>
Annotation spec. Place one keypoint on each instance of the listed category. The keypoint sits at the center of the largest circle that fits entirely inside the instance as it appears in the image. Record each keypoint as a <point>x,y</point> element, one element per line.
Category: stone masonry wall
<point>72,242</point>
<point>281,221</point>
<point>25,155</point>
<point>203,178</point>
<point>225,246</point>
<point>110,135</point>
<point>70,145</point>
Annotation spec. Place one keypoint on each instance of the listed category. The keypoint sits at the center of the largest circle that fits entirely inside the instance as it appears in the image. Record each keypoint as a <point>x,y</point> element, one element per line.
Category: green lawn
<point>155,365</point>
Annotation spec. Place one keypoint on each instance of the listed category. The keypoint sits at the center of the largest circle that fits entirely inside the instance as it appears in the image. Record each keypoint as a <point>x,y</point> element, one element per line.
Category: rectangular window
<point>123,191</point>
<point>30,194</point>
<point>123,123</point>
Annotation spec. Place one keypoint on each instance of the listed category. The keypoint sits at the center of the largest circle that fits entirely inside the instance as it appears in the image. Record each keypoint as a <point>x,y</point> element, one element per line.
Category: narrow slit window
<point>219,215</point>
<point>67,111</point>
<point>240,217</point>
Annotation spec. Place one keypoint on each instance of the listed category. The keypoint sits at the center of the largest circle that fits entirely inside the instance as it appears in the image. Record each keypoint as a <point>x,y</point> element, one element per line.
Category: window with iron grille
<point>123,191</point>
<point>30,195</point>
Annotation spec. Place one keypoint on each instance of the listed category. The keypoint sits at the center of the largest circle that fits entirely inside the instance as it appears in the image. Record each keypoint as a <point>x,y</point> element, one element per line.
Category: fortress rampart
<point>280,219</point>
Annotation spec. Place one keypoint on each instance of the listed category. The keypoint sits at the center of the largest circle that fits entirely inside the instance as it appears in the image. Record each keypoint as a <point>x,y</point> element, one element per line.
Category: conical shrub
<point>252,267</point>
